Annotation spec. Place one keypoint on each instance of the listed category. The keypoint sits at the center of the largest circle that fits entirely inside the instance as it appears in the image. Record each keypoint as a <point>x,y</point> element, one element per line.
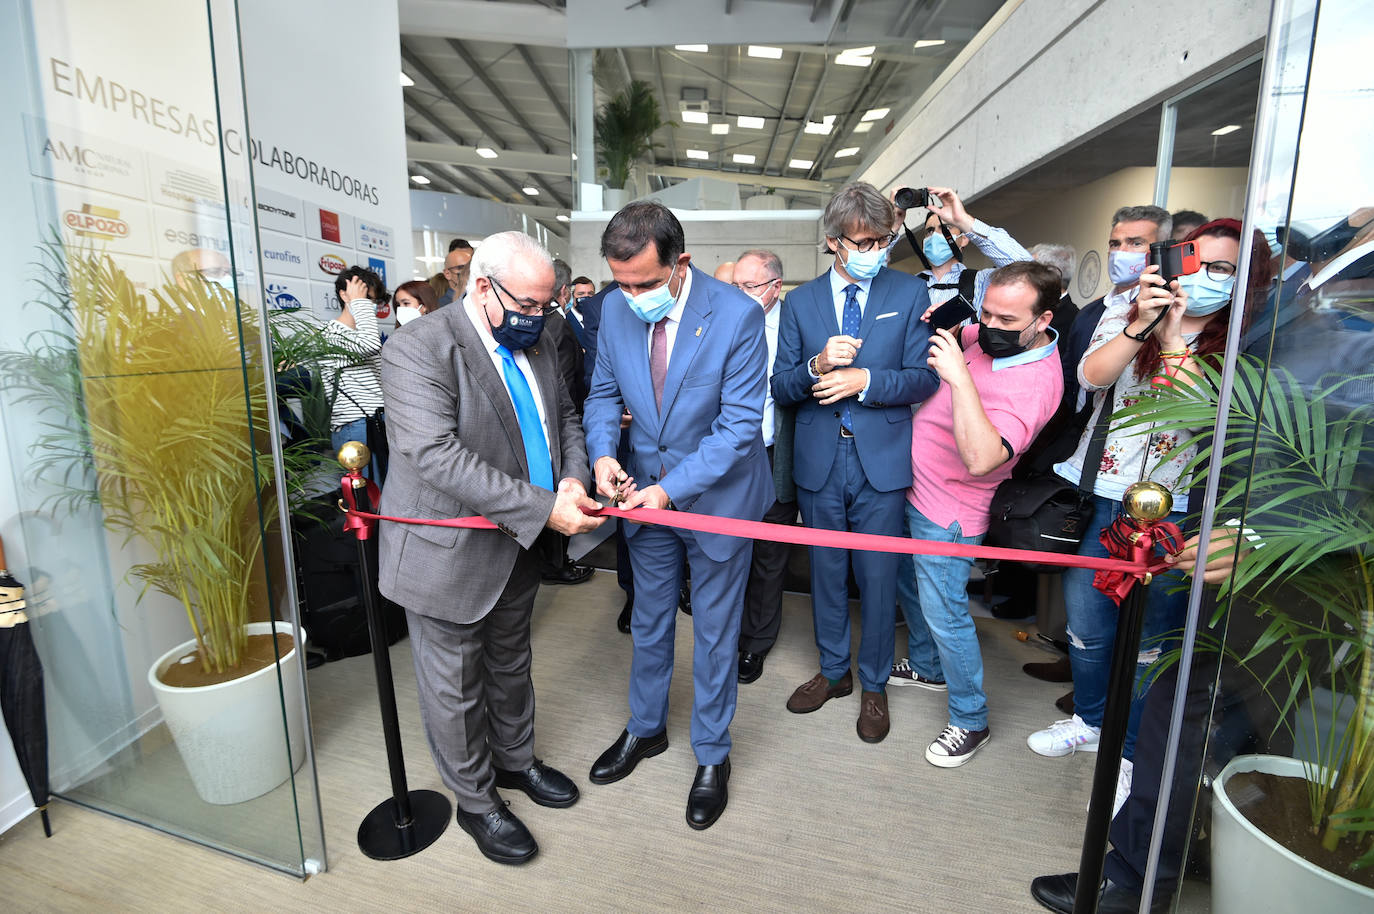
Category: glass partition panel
<point>143,508</point>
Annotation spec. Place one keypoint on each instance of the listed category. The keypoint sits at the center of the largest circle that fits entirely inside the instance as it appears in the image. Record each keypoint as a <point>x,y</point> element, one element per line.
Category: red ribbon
<point>360,523</point>
<point>799,536</point>
<point>1125,537</point>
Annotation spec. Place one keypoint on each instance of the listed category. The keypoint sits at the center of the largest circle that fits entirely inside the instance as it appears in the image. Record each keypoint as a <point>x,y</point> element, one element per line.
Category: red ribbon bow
<point>1134,541</point>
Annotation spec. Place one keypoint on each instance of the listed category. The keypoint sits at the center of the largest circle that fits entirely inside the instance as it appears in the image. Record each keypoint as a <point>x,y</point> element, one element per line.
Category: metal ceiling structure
<point>494,118</point>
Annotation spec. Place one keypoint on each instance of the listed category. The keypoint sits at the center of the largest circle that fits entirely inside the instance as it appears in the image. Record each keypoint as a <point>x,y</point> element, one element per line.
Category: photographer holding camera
<point>941,250</point>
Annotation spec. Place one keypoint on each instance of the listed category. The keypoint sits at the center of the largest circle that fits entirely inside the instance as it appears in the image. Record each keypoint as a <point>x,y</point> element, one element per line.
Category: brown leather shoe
<point>817,691</point>
<point>873,720</point>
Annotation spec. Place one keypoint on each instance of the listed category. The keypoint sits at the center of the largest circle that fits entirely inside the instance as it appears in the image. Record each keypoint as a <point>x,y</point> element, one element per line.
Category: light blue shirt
<point>1030,355</point>
<point>996,245</point>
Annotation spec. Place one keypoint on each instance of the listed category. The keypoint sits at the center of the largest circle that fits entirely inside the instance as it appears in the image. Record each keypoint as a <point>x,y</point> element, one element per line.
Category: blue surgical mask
<point>1271,238</point>
<point>1125,266</point>
<point>654,305</point>
<point>864,264</point>
<point>936,249</point>
<point>1205,294</point>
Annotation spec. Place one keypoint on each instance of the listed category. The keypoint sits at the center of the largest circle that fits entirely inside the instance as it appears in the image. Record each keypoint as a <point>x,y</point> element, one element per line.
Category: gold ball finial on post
<point>1147,502</point>
<point>354,455</point>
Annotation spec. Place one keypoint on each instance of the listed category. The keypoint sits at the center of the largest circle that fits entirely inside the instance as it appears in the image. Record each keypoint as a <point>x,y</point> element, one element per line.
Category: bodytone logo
<point>332,264</point>
<point>329,226</point>
<point>96,222</point>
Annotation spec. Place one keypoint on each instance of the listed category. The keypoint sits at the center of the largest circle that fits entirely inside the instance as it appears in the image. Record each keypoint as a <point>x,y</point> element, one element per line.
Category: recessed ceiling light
<point>698,154</point>
<point>856,57</point>
<point>754,123</point>
<point>823,127</point>
<point>847,152</point>
<point>486,152</point>
<point>800,163</point>
<point>720,129</point>
<point>863,126</point>
<point>695,117</point>
<point>742,158</point>
<point>563,217</point>
<point>531,191</point>
<point>929,43</point>
<point>1229,128</point>
<point>763,50</point>
<point>694,48</point>
<point>406,81</point>
<point>875,114</point>
<point>419,179</point>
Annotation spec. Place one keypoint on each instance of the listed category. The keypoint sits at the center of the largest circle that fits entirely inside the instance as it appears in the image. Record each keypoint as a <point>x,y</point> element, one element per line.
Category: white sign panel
<point>284,255</point>
<point>325,224</point>
<point>65,154</point>
<point>374,238</point>
<point>280,213</point>
<point>287,293</point>
<point>325,261</point>
<point>106,223</point>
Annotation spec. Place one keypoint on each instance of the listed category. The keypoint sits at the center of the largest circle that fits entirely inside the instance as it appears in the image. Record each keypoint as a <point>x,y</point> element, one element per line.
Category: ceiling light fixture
<point>743,158</point>
<point>419,179</point>
<point>1229,128</point>
<point>764,51</point>
<point>698,154</point>
<point>695,117</point>
<point>928,43</point>
<point>753,123</point>
<point>875,114</point>
<point>720,129</point>
<point>823,126</point>
<point>847,152</point>
<point>694,48</point>
<point>486,152</point>
<point>863,126</point>
<point>563,217</point>
<point>856,57</point>
<point>800,163</point>
<point>406,81</point>
<point>531,191</point>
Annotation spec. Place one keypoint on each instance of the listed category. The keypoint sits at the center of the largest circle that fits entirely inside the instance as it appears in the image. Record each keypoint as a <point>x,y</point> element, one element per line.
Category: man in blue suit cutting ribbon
<point>852,355</point>
<point>686,356</point>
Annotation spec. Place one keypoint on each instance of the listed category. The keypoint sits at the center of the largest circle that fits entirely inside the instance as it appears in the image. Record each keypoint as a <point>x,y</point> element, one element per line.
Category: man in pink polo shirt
<point>1000,383</point>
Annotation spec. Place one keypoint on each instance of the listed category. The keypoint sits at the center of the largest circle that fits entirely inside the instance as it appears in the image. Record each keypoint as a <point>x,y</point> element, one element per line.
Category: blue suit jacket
<point>894,350</point>
<point>708,437</point>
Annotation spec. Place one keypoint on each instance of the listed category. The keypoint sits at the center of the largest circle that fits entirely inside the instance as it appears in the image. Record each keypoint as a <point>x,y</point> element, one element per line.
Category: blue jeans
<point>1092,627</point>
<point>941,638</point>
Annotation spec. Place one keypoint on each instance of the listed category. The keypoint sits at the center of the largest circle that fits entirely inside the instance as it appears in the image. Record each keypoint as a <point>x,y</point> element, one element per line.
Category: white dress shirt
<point>520,362</point>
<point>771,318</point>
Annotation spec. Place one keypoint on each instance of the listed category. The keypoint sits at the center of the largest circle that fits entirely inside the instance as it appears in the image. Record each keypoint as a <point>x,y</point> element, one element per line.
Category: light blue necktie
<point>849,327</point>
<point>531,429</point>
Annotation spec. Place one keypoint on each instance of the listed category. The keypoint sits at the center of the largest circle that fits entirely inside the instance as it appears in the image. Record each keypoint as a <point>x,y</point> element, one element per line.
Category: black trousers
<point>763,593</point>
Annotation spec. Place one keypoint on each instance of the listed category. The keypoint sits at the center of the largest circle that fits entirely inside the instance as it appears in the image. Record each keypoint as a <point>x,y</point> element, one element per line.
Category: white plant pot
<point>230,734</point>
<point>1252,872</point>
<point>613,199</point>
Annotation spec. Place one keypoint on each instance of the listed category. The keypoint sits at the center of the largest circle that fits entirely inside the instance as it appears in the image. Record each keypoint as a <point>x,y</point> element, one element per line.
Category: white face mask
<point>405,314</point>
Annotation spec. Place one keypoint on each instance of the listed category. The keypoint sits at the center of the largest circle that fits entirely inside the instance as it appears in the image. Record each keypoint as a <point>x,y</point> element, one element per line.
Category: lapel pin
<point>698,331</point>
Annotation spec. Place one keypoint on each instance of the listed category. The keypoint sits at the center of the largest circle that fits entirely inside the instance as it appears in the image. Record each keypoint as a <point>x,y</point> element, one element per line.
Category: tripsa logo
<point>96,222</point>
<point>332,264</point>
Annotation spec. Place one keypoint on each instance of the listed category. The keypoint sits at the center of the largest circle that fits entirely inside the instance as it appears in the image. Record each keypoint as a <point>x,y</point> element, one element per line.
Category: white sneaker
<point>1123,786</point>
<point>1064,737</point>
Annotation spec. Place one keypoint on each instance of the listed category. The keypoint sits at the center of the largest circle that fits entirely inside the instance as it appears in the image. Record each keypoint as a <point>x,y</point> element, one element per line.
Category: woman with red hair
<point>1130,352</point>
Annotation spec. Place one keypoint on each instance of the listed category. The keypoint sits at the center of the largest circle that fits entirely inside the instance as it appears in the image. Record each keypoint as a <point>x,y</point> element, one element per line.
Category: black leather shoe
<point>545,786</point>
<point>750,665</point>
<point>1056,893</point>
<point>625,753</point>
<point>623,623</point>
<point>684,598</point>
<point>500,836</point>
<point>706,800</point>
<point>569,573</point>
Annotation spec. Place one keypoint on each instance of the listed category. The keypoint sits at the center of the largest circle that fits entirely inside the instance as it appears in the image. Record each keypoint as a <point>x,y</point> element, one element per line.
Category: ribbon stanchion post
<point>1146,504</point>
<point>410,820</point>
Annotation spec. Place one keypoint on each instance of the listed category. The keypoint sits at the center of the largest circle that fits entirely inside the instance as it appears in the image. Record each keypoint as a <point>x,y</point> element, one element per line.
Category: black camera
<point>912,197</point>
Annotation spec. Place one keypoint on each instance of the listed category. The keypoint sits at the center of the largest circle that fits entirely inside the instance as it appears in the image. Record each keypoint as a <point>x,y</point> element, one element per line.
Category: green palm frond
<point>625,126</point>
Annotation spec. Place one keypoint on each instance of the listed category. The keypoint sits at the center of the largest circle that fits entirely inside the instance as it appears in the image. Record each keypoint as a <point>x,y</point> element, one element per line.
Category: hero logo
<point>332,264</point>
<point>96,222</point>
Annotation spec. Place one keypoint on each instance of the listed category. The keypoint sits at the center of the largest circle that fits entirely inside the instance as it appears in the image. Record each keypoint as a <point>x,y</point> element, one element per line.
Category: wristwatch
<point>813,366</point>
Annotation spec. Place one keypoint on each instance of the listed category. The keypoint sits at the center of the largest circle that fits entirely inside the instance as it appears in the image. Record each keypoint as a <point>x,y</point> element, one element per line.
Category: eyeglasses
<point>1219,269</point>
<point>527,306</point>
<point>754,288</point>
<point>455,271</point>
<point>868,244</point>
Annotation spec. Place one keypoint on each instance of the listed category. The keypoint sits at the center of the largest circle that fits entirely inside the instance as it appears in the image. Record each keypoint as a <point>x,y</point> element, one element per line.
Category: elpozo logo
<point>96,222</point>
<point>332,264</point>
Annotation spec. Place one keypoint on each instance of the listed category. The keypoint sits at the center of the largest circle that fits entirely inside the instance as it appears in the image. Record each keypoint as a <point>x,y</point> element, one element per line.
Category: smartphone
<point>1175,260</point>
<point>952,313</point>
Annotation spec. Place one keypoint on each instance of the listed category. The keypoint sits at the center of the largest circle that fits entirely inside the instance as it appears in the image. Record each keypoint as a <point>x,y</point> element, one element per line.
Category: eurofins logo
<point>96,222</point>
<point>332,264</point>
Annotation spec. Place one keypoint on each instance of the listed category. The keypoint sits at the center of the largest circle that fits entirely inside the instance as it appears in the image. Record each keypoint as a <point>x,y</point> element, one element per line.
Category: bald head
<point>726,271</point>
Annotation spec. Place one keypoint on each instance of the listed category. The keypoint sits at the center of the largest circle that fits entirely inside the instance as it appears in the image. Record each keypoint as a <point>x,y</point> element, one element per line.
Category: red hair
<point>1212,339</point>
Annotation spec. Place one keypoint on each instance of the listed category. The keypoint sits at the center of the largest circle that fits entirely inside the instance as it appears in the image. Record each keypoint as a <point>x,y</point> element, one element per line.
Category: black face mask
<point>1001,343</point>
<point>516,331</point>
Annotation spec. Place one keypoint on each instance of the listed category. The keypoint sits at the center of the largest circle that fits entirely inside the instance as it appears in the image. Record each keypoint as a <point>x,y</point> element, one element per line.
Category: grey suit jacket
<point>456,451</point>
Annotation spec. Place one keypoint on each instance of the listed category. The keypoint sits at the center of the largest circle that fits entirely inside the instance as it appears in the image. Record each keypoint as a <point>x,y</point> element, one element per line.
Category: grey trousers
<point>476,695</point>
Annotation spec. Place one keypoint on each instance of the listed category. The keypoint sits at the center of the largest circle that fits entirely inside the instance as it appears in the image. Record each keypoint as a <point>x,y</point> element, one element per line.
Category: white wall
<point>451,216</point>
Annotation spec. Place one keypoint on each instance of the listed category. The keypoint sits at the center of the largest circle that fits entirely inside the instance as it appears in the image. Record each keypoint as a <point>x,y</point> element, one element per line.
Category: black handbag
<point>374,424</point>
<point>1044,512</point>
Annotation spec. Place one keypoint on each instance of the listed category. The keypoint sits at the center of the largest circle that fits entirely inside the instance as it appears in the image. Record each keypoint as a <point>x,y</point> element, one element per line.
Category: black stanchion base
<point>382,839</point>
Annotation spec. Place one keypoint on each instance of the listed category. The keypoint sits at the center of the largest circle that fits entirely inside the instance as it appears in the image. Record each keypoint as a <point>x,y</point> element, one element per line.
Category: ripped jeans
<point>1092,627</point>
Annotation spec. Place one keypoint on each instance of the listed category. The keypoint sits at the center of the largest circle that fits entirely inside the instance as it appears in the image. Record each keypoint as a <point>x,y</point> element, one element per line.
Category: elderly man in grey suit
<point>480,425</point>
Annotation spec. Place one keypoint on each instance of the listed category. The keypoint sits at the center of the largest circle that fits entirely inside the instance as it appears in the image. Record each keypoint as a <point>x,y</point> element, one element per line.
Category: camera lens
<point>905,198</point>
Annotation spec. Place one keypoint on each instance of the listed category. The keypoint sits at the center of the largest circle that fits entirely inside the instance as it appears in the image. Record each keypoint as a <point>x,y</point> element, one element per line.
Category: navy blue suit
<point>856,483</point>
<point>705,449</point>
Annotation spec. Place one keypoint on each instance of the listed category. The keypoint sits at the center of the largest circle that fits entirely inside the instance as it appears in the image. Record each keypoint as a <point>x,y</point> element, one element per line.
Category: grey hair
<point>497,254</point>
<point>1060,256</point>
<point>1158,215</point>
<point>562,276</point>
<point>771,262</point>
<point>861,205</point>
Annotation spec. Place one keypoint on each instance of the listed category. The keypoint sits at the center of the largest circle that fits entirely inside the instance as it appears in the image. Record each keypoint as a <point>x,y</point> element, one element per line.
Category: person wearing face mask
<point>685,354</point>
<point>413,299</point>
<point>852,360</point>
<point>1129,353</point>
<point>354,381</point>
<point>1000,383</point>
<point>944,271</point>
<point>758,274</point>
<point>480,425</point>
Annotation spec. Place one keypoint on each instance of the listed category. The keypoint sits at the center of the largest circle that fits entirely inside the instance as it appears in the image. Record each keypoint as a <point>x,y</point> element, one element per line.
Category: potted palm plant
<point>1307,504</point>
<point>625,127</point>
<point>161,417</point>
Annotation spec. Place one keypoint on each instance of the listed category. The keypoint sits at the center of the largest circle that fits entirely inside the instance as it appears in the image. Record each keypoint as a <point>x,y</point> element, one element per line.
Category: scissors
<point>620,480</point>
